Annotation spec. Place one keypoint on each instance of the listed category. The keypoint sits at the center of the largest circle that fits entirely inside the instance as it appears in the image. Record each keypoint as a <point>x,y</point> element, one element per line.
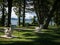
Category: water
<point>14,21</point>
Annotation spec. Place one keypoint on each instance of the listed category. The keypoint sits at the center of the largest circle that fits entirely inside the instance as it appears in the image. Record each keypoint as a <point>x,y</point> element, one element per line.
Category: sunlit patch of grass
<point>1,33</point>
<point>29,35</point>
<point>21,36</point>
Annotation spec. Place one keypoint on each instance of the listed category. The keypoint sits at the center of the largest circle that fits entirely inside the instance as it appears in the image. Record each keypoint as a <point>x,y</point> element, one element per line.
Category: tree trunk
<point>57,16</point>
<point>9,12</point>
<point>19,12</point>
<point>19,16</point>
<point>3,16</point>
<point>24,13</point>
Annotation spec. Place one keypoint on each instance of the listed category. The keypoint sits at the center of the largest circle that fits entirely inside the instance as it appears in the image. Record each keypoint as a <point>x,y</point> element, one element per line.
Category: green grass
<point>49,36</point>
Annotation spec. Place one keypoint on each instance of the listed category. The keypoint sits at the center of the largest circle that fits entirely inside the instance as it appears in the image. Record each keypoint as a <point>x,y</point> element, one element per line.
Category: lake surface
<point>14,21</point>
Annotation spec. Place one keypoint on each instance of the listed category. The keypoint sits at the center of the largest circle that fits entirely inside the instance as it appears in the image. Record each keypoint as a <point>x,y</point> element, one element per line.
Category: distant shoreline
<point>14,21</point>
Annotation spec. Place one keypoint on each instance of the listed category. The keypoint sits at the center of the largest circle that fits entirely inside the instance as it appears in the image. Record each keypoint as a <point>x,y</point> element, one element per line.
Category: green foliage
<point>43,8</point>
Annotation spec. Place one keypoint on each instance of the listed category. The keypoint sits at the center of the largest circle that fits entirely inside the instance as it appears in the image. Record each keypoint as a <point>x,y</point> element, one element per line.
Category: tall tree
<point>9,12</point>
<point>19,12</point>
<point>57,14</point>
<point>18,8</point>
<point>41,9</point>
<point>36,9</point>
<point>3,16</point>
<point>24,5</point>
<point>19,16</point>
<point>50,14</point>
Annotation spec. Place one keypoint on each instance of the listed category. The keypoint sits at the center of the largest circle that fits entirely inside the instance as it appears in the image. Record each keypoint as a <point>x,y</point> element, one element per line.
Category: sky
<point>27,15</point>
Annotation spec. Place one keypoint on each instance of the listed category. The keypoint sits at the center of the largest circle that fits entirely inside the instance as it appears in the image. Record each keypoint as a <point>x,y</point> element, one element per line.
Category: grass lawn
<point>49,36</point>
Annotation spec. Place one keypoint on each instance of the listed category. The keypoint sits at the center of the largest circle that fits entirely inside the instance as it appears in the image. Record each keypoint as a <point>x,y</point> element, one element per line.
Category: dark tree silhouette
<point>9,12</point>
<point>3,16</point>
<point>24,2</point>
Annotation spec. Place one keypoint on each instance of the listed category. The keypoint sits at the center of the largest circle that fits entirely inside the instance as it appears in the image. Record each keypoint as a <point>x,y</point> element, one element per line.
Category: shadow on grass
<point>19,43</point>
<point>24,30</point>
<point>48,39</point>
<point>29,34</point>
<point>45,39</point>
<point>1,30</point>
<point>42,38</point>
<point>56,30</point>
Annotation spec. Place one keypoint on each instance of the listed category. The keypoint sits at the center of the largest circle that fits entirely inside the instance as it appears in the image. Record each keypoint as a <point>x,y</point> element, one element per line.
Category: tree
<point>3,16</point>
<point>9,12</point>
<point>45,10</point>
<point>24,5</point>
<point>41,10</point>
<point>50,14</point>
<point>18,8</point>
<point>57,14</point>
